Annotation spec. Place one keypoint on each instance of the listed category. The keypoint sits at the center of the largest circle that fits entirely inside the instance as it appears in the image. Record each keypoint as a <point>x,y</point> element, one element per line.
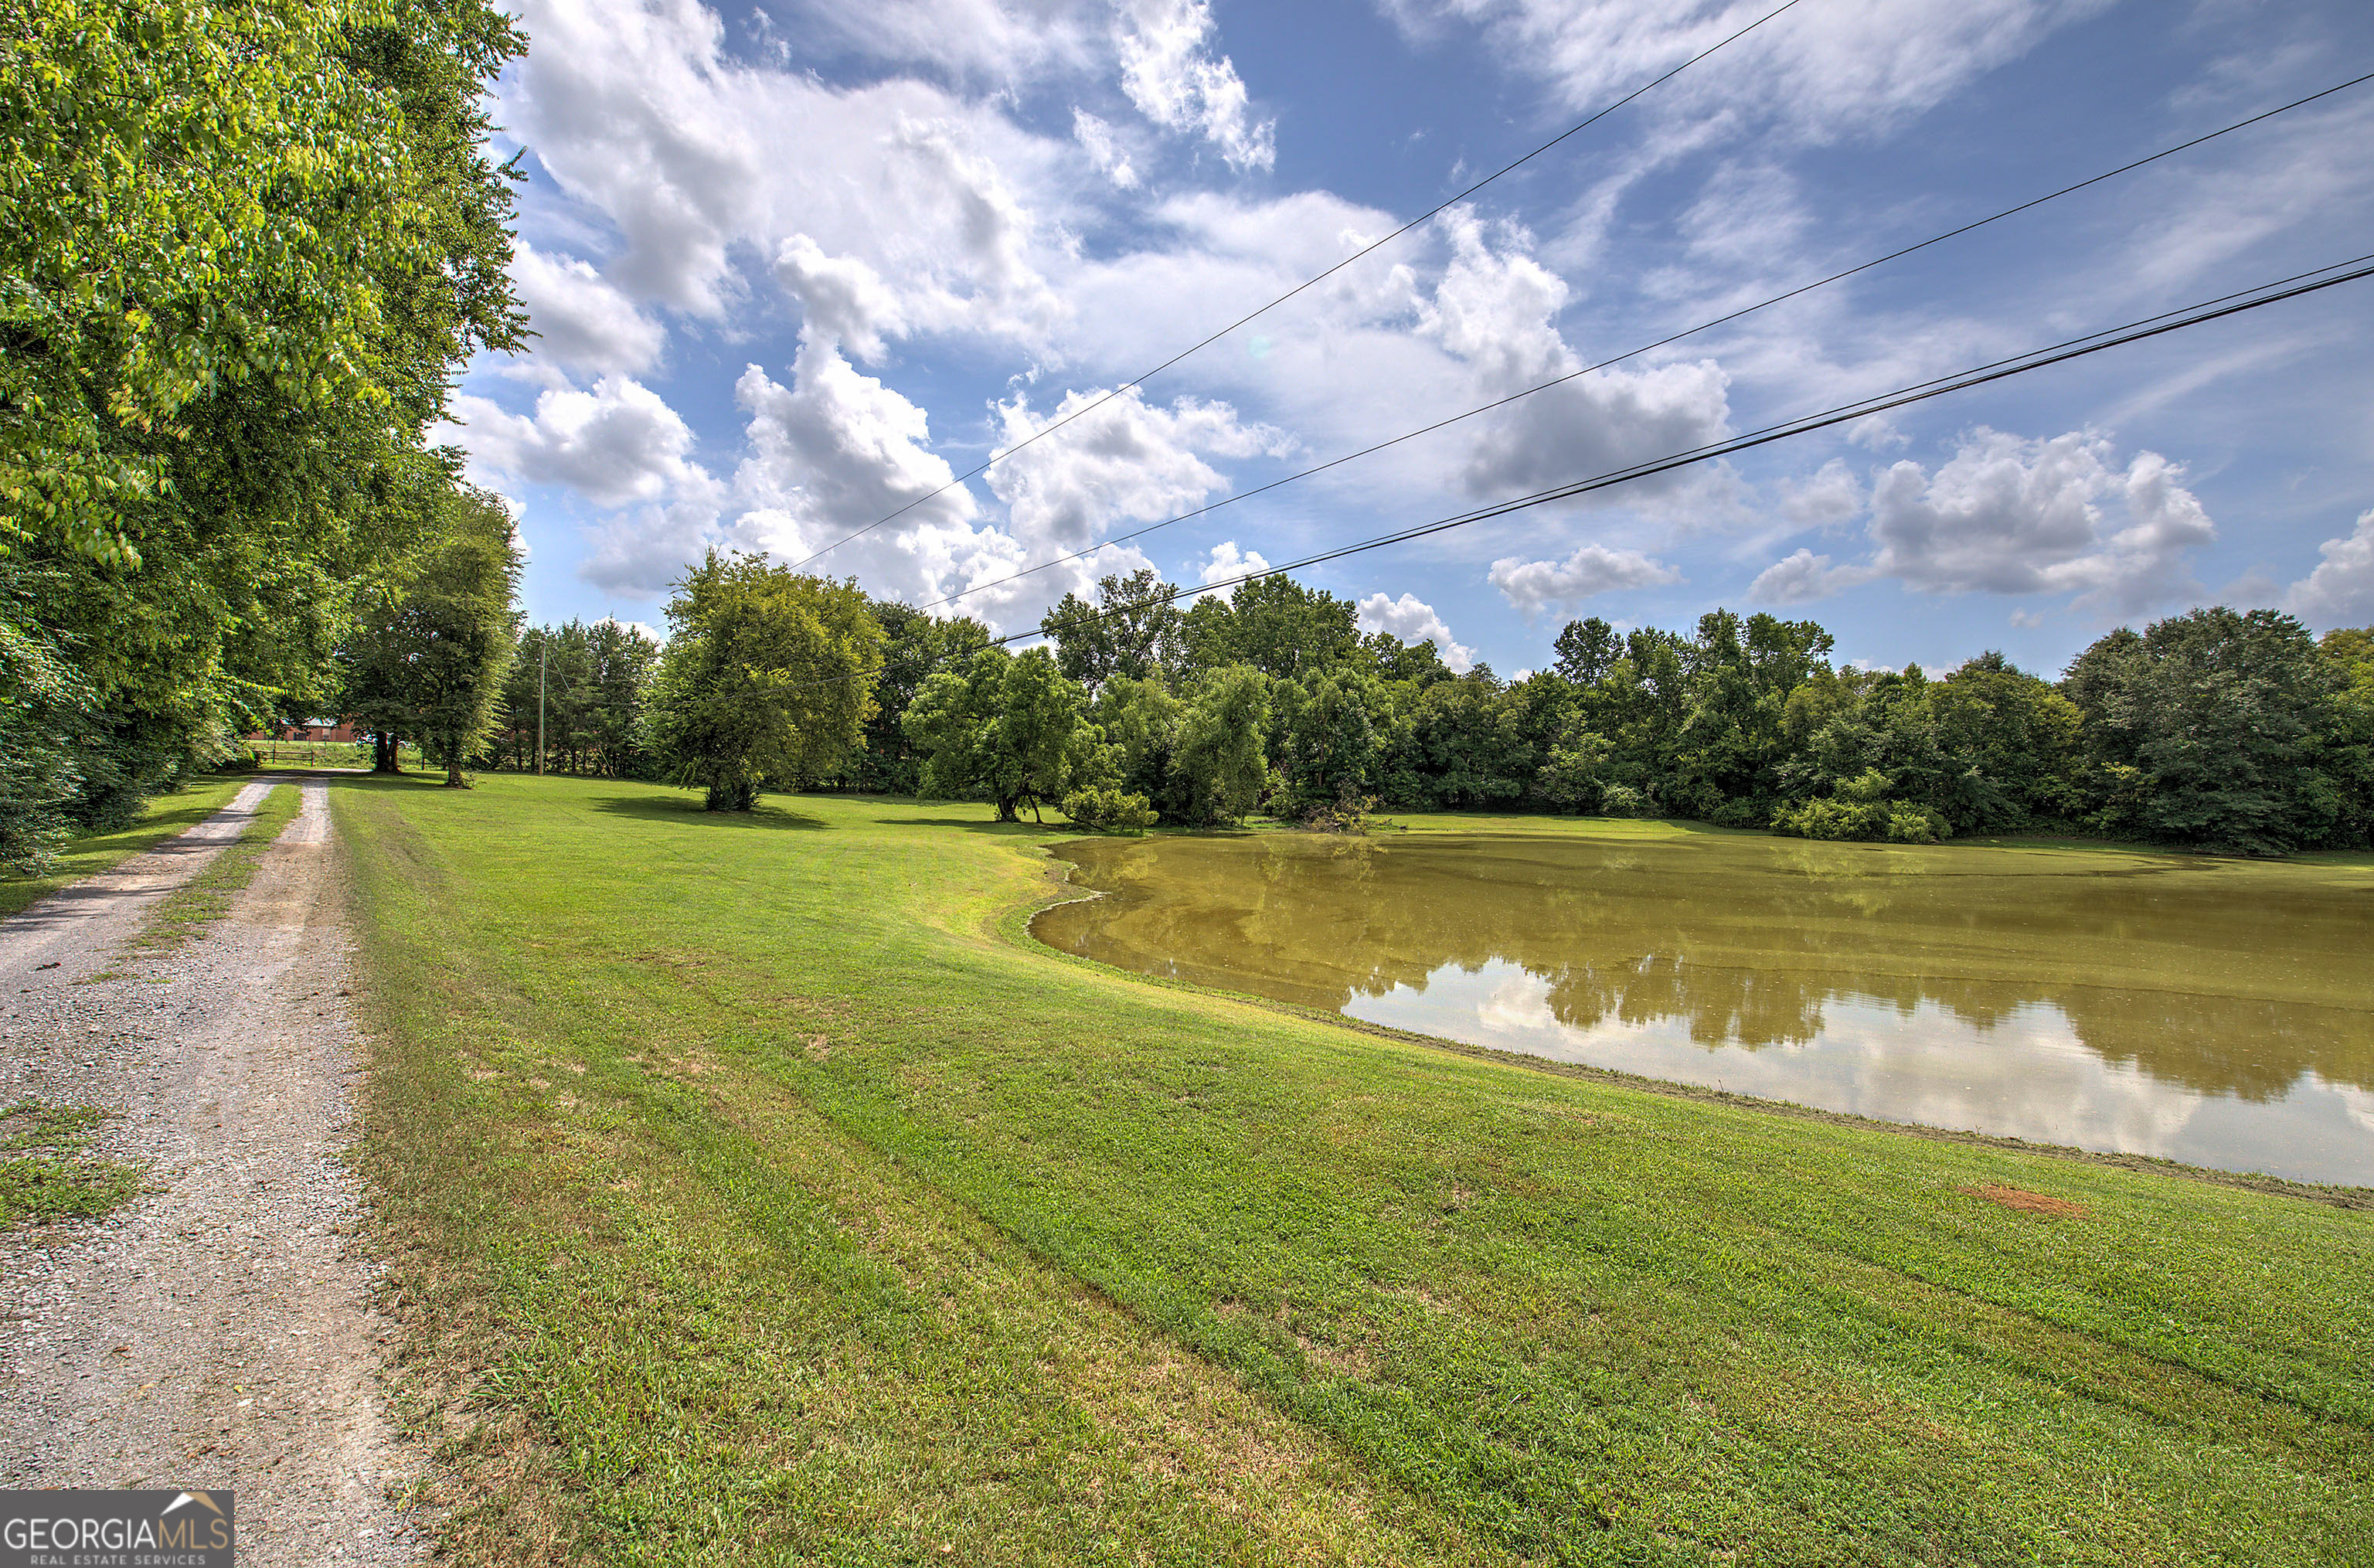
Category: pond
<point>2216,1012</point>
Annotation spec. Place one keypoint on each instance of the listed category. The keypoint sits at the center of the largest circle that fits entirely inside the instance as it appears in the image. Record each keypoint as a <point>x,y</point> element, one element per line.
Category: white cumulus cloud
<point>640,113</point>
<point>642,550</point>
<point>1801,578</point>
<point>1414,620</point>
<point>1495,309</point>
<point>616,444</point>
<point>837,451</point>
<point>1832,495</point>
<point>1592,568</point>
<point>1168,70</point>
<point>1121,461</point>
<point>2340,591</point>
<point>843,301</point>
<point>582,320</point>
<point>2006,515</point>
<point>1226,563</point>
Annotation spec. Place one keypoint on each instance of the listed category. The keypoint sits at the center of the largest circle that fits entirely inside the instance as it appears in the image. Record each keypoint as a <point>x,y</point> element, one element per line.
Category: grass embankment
<point>755,1197</point>
<point>205,898</point>
<point>162,816</point>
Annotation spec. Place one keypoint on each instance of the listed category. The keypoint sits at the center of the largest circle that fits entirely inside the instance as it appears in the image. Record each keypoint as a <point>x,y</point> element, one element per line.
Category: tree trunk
<point>1005,808</point>
<point>454,779</point>
<point>384,758</point>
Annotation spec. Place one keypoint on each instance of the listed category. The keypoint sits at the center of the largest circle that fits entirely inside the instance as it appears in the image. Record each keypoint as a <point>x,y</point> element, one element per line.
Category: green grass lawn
<point>755,1193</point>
<point>161,818</point>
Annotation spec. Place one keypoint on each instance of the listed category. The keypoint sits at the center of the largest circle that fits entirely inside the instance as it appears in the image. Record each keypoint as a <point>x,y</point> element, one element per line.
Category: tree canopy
<point>249,244</point>
<point>433,639</point>
<point>1007,727</point>
<point>767,678</point>
<point>1133,629</point>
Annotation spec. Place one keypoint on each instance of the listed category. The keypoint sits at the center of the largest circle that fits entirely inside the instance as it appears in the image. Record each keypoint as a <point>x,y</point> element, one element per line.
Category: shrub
<point>1740,813</point>
<point>1895,821</point>
<point>1349,815</point>
<point>1109,810</point>
<point>1909,822</point>
<point>1623,800</point>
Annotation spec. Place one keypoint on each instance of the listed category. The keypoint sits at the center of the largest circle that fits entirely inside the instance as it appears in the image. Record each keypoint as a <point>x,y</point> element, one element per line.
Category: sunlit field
<point>761,1192</point>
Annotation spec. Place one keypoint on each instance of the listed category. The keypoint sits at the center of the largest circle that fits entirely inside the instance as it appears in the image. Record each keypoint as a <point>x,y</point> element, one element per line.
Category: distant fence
<point>325,753</point>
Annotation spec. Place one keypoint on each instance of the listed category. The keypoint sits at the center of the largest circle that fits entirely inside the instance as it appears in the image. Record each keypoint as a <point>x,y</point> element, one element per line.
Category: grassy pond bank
<point>756,1190</point>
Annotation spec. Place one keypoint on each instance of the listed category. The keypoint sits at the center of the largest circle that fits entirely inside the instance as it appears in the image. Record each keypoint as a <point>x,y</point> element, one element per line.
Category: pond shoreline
<point>1017,927</point>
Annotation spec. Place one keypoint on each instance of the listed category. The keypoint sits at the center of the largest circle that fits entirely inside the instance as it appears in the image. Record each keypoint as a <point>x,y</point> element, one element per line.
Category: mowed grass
<point>755,1193</point>
<point>161,818</point>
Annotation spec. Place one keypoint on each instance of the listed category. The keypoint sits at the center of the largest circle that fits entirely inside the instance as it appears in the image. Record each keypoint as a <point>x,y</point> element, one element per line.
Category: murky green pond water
<point>2215,1012</point>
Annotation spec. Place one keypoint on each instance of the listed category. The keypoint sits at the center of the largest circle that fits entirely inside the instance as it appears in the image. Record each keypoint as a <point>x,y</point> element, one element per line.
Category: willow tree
<point>1219,766</point>
<point>767,677</point>
<point>1012,728</point>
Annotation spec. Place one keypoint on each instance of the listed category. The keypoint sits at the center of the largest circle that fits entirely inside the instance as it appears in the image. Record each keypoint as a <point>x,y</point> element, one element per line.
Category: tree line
<point>2215,728</point>
<point>250,244</point>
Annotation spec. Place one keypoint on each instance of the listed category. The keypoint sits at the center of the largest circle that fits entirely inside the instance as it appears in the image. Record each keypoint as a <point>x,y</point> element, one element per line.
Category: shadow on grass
<point>689,809</point>
<point>977,824</point>
<point>357,778</point>
<point>88,855</point>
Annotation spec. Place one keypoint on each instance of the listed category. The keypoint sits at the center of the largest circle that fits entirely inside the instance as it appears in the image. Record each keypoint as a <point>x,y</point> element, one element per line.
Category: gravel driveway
<point>217,1330</point>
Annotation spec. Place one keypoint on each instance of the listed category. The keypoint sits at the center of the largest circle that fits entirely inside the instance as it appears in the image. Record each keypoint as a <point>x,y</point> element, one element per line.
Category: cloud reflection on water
<point>2203,1011</point>
<point>2027,1074</point>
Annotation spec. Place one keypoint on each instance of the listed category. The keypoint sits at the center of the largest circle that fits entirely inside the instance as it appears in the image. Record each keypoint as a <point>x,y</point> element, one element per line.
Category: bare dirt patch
<point>2030,1202</point>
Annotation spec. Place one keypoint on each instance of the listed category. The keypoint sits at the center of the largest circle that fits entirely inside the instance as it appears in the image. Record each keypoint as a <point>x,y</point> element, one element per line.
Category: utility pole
<point>542,646</point>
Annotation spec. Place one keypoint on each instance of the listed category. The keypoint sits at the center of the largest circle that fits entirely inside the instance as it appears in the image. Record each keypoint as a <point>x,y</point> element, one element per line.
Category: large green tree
<point>43,734</point>
<point>1275,625</point>
<point>2348,753</point>
<point>248,244</point>
<point>915,645</point>
<point>768,678</point>
<point>2011,746</point>
<point>1010,728</point>
<point>434,639</point>
<point>1328,741</point>
<point>579,690</point>
<point>1134,629</point>
<point>1140,719</point>
<point>2206,729</point>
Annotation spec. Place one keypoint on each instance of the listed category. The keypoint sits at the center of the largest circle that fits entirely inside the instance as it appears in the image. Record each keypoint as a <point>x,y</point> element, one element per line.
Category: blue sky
<point>798,263</point>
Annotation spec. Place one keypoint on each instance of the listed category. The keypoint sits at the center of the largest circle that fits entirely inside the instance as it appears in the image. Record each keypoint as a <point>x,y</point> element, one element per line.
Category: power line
<point>1199,346</point>
<point>1644,348</point>
<point>2159,326</point>
<point>2073,348</point>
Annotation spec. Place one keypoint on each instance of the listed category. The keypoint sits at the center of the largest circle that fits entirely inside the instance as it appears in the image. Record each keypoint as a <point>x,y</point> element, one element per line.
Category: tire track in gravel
<point>218,1331</point>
